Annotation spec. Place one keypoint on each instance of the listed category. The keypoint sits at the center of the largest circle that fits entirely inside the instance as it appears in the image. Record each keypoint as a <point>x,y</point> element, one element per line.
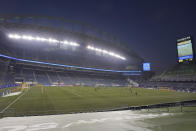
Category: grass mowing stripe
<point>57,99</point>
<point>71,91</point>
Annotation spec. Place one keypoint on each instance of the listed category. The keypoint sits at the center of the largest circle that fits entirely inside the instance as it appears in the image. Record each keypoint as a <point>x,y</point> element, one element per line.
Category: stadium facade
<point>50,50</point>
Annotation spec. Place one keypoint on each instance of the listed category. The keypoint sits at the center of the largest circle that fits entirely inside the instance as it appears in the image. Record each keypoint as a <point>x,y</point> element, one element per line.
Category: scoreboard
<point>185,49</point>
<point>146,67</point>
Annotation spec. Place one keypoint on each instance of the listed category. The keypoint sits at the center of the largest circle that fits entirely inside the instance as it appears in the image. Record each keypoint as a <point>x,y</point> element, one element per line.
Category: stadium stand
<point>178,73</point>
<point>181,77</point>
<point>52,78</point>
<point>178,86</point>
<point>49,55</point>
<point>45,54</point>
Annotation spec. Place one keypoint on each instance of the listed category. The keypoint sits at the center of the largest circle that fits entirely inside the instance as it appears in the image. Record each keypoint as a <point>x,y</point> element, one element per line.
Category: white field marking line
<point>72,92</point>
<point>13,102</point>
<point>12,94</point>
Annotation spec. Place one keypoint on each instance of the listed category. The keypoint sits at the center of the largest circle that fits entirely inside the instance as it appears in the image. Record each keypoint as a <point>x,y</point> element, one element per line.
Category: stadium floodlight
<point>41,39</point>
<point>99,50</point>
<point>51,40</point>
<point>105,52</point>
<point>73,44</point>
<point>69,43</point>
<point>111,53</point>
<point>25,37</point>
<point>92,48</point>
<point>64,42</point>
<point>14,36</point>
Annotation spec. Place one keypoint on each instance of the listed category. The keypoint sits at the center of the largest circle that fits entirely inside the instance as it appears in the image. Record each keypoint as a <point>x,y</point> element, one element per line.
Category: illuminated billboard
<point>146,66</point>
<point>185,49</point>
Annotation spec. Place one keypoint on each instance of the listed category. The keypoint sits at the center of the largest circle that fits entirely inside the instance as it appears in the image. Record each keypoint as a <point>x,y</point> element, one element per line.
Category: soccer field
<point>53,100</point>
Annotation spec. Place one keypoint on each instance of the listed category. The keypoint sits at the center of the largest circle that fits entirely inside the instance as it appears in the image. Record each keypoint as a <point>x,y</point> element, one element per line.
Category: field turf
<point>176,121</point>
<point>54,100</point>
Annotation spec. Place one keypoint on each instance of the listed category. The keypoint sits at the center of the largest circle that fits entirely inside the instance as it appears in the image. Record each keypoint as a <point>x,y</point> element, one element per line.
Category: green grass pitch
<point>51,100</point>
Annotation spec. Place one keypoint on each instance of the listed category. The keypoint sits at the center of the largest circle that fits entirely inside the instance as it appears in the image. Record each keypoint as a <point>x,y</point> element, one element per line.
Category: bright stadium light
<point>64,42</point>
<point>53,40</point>
<point>14,36</point>
<point>41,39</point>
<point>69,43</point>
<point>111,53</point>
<point>73,44</point>
<point>25,37</point>
<point>105,52</point>
<point>92,48</point>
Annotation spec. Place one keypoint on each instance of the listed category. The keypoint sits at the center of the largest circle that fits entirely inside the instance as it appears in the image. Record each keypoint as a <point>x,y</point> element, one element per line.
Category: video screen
<point>185,49</point>
<point>146,66</point>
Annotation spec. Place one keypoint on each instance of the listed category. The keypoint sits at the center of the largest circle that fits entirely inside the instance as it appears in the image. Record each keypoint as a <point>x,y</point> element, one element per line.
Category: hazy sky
<point>151,27</point>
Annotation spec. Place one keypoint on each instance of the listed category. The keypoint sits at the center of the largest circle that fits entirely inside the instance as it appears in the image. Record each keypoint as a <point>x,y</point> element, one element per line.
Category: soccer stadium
<point>52,65</point>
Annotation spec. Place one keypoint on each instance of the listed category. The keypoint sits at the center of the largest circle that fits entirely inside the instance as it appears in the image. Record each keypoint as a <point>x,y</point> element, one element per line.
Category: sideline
<point>13,102</point>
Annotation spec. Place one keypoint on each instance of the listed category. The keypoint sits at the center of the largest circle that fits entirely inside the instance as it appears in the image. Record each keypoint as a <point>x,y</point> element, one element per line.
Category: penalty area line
<point>13,102</point>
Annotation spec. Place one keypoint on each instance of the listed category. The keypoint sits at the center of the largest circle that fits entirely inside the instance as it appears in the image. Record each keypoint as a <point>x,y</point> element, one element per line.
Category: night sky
<point>151,27</point>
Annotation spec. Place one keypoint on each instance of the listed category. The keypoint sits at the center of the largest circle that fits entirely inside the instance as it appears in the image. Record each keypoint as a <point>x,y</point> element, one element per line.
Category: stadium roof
<point>60,25</point>
<point>69,66</point>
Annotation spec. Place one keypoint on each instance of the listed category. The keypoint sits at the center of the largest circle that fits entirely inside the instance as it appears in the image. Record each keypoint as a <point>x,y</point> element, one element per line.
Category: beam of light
<point>42,39</point>
<point>106,52</point>
<point>69,66</point>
